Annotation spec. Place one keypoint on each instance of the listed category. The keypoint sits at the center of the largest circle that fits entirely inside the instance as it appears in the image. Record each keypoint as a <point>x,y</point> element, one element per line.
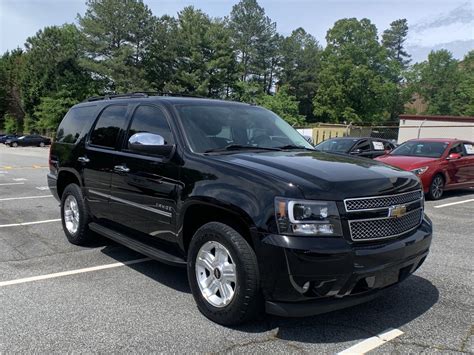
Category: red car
<point>441,164</point>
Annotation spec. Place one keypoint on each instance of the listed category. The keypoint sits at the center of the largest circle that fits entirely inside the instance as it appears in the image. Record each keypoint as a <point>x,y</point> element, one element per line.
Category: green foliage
<point>52,109</point>
<point>116,36</point>
<point>465,90</point>
<point>256,42</point>
<point>119,46</point>
<point>437,81</point>
<point>393,39</point>
<point>11,124</point>
<point>358,80</point>
<point>284,105</point>
<point>51,68</point>
<point>300,65</point>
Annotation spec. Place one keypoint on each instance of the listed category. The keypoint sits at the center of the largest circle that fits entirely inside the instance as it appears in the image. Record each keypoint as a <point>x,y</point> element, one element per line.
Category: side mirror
<point>453,156</point>
<point>149,143</point>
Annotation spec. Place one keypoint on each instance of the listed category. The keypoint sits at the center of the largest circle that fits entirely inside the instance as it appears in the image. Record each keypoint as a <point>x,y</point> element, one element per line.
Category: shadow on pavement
<point>394,308</point>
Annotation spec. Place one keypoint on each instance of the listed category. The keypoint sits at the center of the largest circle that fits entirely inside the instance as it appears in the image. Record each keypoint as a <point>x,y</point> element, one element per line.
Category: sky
<point>434,24</point>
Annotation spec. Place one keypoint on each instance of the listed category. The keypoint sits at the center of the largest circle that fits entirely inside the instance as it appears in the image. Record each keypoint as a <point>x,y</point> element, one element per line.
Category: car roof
<point>357,138</point>
<point>174,100</point>
<point>449,140</point>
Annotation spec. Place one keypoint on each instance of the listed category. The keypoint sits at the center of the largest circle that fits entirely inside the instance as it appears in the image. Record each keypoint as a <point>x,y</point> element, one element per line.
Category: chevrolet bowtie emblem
<point>397,211</point>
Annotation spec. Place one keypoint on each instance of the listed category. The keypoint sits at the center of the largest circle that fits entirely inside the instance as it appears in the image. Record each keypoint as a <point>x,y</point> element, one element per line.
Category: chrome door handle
<point>83,159</point>
<point>121,169</point>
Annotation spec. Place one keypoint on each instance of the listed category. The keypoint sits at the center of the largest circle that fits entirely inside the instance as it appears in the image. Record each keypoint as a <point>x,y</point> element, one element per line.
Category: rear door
<point>468,156</point>
<point>145,187</point>
<point>97,159</point>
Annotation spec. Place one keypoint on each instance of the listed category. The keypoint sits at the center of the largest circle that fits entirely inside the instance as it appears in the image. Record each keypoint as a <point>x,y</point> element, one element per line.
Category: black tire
<point>436,187</point>
<point>82,235</point>
<point>246,302</point>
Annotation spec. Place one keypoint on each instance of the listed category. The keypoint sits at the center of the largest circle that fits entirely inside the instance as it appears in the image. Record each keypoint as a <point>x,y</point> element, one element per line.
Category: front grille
<point>381,228</point>
<point>371,203</point>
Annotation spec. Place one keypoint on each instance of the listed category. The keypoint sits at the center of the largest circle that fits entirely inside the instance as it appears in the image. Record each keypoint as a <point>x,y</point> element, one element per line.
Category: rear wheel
<point>14,144</point>
<point>41,144</point>
<point>75,216</point>
<point>223,274</point>
<point>436,187</point>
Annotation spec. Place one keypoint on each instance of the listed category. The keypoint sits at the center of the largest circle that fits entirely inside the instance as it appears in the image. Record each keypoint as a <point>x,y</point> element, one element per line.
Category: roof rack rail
<point>139,94</point>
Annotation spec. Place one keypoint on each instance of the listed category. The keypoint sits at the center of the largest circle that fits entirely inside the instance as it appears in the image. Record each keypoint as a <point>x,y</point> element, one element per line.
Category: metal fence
<point>323,131</point>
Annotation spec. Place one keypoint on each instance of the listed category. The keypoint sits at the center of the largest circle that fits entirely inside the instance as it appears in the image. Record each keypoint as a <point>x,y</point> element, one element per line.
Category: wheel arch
<point>66,177</point>
<point>201,211</point>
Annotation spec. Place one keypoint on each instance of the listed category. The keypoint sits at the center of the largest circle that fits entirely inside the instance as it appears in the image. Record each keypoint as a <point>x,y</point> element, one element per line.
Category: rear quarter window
<point>74,123</point>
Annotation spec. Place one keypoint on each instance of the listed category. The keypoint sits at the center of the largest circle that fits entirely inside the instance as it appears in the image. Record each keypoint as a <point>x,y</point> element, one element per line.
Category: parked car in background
<point>362,147</point>
<point>441,164</point>
<point>29,140</point>
<point>5,137</point>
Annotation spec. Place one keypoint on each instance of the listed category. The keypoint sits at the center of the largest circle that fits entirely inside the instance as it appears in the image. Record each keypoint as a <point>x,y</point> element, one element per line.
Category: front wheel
<point>223,275</point>
<point>41,144</point>
<point>14,144</point>
<point>436,187</point>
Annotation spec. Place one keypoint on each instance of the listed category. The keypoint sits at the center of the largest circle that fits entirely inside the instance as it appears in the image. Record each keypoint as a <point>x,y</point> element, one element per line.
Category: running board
<point>138,246</point>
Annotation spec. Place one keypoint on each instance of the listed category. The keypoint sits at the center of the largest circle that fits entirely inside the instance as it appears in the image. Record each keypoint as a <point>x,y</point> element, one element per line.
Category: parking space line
<point>454,203</point>
<point>29,223</point>
<point>12,183</point>
<point>71,272</point>
<point>24,198</point>
<point>372,343</point>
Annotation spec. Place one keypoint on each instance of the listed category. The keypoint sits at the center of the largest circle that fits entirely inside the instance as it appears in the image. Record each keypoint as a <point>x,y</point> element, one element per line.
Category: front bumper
<point>340,273</point>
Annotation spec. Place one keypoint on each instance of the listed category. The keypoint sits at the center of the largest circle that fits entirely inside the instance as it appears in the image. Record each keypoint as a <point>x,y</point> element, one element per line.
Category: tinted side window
<point>364,146</point>
<point>108,126</point>
<point>73,123</point>
<point>150,119</point>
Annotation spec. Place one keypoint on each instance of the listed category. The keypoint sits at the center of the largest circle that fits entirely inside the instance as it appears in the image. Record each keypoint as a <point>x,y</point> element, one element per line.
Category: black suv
<point>237,196</point>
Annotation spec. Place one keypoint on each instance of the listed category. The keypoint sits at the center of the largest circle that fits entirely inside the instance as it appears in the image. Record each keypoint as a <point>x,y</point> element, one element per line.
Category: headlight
<point>419,171</point>
<point>303,217</point>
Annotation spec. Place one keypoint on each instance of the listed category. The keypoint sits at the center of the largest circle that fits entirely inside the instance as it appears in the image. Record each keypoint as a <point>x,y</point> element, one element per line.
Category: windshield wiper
<point>232,147</point>
<point>293,146</point>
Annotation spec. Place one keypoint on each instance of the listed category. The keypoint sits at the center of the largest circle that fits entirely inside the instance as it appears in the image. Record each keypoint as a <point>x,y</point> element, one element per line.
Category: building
<point>424,126</point>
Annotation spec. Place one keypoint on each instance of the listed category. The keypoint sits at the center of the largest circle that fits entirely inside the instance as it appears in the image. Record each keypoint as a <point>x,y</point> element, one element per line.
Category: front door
<point>145,187</point>
<point>96,161</point>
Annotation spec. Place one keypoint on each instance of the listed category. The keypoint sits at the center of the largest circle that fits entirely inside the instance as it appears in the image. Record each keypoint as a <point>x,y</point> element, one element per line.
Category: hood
<point>325,176</point>
<point>406,162</point>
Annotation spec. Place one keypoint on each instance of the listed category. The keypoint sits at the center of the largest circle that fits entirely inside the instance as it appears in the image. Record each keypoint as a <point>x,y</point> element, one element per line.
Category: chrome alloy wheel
<point>216,274</point>
<point>71,214</point>
<point>437,187</point>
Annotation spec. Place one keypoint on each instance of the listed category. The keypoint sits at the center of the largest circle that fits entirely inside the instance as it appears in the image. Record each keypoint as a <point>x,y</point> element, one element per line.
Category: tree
<point>357,77</point>
<point>51,66</point>
<point>465,91</point>
<point>116,37</point>
<point>284,105</point>
<point>393,39</point>
<point>255,39</point>
<point>12,112</point>
<point>437,82</point>
<point>300,65</point>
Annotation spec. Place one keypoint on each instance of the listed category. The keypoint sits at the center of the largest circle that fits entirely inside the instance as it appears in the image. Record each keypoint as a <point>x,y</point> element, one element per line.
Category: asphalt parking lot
<point>107,298</point>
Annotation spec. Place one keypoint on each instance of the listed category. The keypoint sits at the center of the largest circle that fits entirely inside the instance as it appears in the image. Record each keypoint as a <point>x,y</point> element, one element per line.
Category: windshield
<point>214,127</point>
<point>421,149</point>
<point>336,145</point>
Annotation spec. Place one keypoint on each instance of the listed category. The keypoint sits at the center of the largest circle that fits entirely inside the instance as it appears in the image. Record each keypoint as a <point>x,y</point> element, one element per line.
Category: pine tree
<point>394,39</point>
